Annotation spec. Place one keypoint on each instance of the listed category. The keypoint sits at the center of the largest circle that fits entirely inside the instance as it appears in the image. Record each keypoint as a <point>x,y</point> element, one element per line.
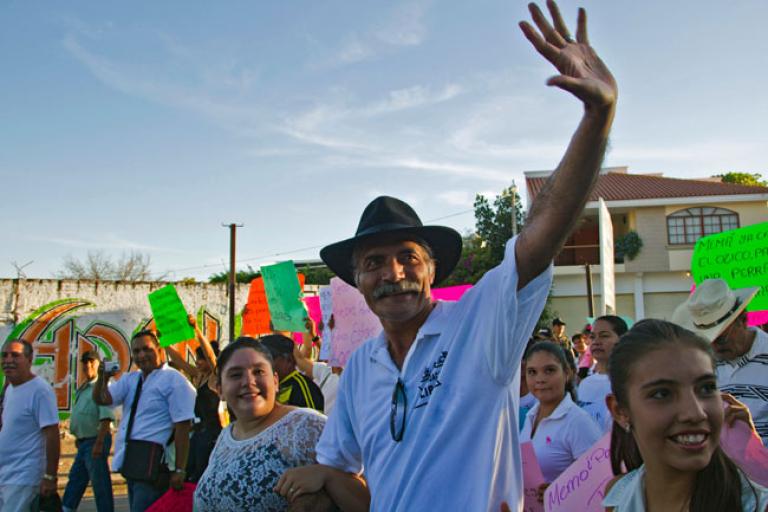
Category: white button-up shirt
<point>166,398</point>
<point>561,437</point>
<point>460,447</point>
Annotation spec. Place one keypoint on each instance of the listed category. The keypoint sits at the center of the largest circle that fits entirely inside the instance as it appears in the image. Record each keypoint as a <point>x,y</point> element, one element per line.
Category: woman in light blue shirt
<point>668,414</point>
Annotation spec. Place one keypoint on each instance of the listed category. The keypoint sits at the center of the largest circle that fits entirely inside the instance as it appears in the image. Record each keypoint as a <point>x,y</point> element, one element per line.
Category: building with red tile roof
<point>668,215</point>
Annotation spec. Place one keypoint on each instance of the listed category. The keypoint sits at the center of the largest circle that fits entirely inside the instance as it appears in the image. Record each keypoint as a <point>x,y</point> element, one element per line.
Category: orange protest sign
<point>256,312</point>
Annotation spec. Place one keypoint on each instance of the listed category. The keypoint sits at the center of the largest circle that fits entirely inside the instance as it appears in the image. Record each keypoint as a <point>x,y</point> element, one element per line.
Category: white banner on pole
<point>607,277</point>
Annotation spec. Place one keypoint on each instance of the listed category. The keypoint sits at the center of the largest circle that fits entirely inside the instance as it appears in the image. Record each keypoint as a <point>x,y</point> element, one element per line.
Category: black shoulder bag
<point>143,460</point>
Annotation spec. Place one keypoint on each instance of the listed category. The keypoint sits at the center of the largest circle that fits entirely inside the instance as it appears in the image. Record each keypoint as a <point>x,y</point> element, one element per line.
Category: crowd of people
<point>430,414</point>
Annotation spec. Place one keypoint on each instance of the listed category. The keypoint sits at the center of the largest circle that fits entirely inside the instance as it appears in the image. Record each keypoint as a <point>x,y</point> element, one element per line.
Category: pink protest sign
<point>746,449</point>
<point>532,478</point>
<point>353,322</point>
<point>757,317</point>
<point>313,306</point>
<point>452,293</point>
<point>582,486</point>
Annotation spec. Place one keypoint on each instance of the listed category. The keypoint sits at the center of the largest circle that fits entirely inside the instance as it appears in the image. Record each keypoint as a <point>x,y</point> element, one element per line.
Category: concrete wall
<point>651,225</point>
<point>65,318</point>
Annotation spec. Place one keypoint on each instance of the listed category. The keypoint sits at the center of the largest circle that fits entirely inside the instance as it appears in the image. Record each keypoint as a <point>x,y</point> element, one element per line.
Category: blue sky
<point>145,125</point>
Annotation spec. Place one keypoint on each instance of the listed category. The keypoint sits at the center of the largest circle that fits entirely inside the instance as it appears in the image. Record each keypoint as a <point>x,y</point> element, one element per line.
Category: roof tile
<point>622,187</point>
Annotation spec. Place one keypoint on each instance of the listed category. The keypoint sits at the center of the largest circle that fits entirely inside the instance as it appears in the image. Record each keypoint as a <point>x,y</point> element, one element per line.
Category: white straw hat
<point>712,307</point>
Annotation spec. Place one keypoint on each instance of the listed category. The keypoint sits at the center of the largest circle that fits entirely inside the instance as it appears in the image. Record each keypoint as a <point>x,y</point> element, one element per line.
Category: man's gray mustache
<point>395,288</point>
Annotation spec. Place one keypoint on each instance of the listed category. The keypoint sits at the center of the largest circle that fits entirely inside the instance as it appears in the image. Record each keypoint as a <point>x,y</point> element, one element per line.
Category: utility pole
<point>232,241</point>
<point>590,299</point>
<point>514,209</point>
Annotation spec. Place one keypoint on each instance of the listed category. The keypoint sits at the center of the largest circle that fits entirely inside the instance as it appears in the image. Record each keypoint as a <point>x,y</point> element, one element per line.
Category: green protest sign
<point>281,284</point>
<point>170,316</point>
<point>739,256</point>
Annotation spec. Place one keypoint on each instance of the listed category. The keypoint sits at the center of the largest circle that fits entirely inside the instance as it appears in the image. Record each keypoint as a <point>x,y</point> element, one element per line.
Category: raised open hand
<point>582,73</point>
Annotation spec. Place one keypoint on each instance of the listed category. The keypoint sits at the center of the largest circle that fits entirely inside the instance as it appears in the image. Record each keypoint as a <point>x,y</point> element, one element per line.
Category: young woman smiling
<point>592,390</point>
<point>667,416</point>
<point>266,439</point>
<point>558,429</point>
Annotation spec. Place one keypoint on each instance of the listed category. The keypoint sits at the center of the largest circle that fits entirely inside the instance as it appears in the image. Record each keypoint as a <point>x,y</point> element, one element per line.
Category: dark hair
<point>148,333</point>
<point>278,345</point>
<point>27,347</point>
<point>559,354</point>
<point>214,346</point>
<point>618,325</point>
<point>717,486</point>
<point>242,342</point>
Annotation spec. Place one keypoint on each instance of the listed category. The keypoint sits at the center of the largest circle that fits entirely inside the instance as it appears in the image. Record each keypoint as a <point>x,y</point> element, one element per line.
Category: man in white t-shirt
<point>428,409</point>
<point>717,313</point>
<point>29,439</point>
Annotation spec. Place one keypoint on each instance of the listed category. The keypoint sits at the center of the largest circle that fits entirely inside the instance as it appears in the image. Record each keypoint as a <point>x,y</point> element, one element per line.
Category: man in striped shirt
<point>717,313</point>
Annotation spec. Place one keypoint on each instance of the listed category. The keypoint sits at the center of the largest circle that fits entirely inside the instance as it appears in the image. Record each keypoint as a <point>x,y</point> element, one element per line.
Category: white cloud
<point>120,77</point>
<point>411,97</point>
<point>353,51</point>
<point>405,26</point>
<point>108,241</point>
<point>462,198</point>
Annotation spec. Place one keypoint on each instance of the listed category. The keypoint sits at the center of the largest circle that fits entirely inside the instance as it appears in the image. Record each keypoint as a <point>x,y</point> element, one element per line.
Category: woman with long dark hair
<point>668,415</point>
<point>606,331</point>
<point>558,429</point>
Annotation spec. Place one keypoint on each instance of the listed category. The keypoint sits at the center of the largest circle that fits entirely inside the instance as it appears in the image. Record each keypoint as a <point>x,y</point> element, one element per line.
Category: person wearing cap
<point>295,388</point>
<point>717,313</point>
<point>428,409</point>
<point>90,424</point>
<point>561,338</point>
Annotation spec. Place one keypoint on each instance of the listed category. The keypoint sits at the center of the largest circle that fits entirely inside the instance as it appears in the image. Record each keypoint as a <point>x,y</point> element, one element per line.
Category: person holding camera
<point>159,405</point>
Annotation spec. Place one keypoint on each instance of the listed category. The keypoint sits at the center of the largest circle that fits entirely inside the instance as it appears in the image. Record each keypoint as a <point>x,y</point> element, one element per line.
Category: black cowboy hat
<point>389,216</point>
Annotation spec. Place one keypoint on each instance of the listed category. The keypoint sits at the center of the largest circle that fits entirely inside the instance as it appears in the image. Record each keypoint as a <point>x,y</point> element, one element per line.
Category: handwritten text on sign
<point>283,290</point>
<point>170,316</point>
<point>353,322</point>
<point>532,478</point>
<point>739,256</point>
<point>326,306</point>
<point>582,486</point>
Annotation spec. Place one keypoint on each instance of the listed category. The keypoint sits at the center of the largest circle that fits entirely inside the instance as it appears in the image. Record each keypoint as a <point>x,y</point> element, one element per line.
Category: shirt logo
<point>430,380</point>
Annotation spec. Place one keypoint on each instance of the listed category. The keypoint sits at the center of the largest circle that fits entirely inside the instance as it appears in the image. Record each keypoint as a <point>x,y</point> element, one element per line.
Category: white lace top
<point>242,474</point>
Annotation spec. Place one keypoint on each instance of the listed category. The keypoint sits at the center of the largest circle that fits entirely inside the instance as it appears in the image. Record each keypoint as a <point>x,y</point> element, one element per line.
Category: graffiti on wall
<point>60,340</point>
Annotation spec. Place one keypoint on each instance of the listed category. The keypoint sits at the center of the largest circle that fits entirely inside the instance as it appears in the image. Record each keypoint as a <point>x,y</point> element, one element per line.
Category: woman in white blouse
<point>558,429</point>
<point>606,332</point>
<point>266,439</point>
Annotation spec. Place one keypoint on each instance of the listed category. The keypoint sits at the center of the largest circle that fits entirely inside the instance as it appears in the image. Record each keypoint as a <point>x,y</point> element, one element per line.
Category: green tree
<point>316,274</point>
<point>484,249</point>
<point>493,222</point>
<point>241,276</point>
<point>744,178</point>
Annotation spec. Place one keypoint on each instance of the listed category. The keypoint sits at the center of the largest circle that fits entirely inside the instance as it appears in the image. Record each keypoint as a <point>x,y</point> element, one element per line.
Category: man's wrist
<point>49,477</point>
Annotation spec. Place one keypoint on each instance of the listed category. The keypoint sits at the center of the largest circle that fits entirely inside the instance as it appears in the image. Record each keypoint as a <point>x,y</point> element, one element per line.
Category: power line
<point>293,251</point>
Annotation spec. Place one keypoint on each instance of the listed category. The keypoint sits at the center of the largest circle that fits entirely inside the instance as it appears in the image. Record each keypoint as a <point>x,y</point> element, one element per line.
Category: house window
<point>687,226</point>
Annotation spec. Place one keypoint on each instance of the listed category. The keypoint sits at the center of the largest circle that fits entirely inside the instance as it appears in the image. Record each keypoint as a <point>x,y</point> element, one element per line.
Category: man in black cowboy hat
<point>429,408</point>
